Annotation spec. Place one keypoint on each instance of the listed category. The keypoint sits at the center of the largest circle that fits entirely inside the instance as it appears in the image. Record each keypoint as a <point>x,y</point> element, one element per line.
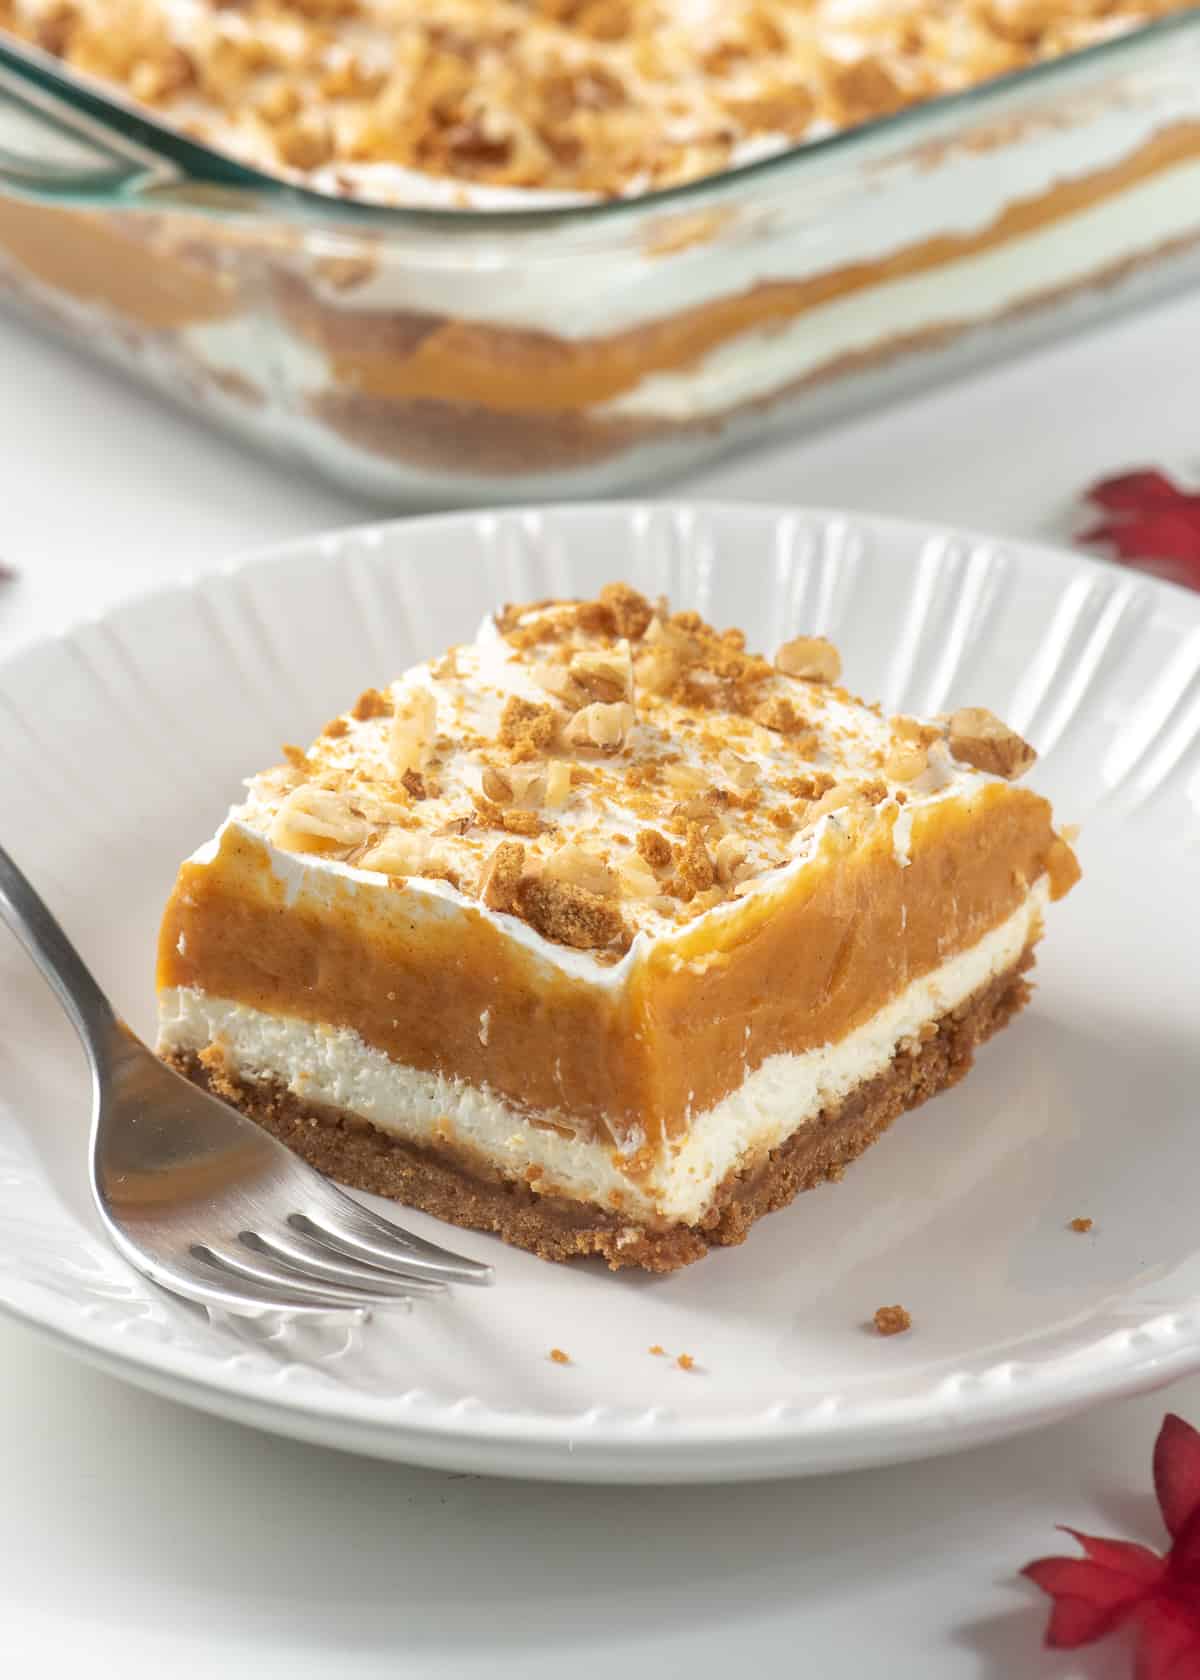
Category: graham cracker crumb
<point>631,612</point>
<point>558,1357</point>
<point>570,915</point>
<point>658,1351</point>
<point>779,714</point>
<point>502,872</point>
<point>892,1321</point>
<point>521,822</point>
<point>685,1362</point>
<point>1081,1224</point>
<point>695,869</point>
<point>523,723</point>
<point>371,704</point>
<point>654,847</point>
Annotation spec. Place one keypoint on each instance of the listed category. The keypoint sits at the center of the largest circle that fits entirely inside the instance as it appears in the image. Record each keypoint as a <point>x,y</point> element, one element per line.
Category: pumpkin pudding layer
<point>606,934</point>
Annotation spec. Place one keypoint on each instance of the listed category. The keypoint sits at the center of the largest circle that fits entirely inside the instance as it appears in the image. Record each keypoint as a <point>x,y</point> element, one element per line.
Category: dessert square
<point>607,935</point>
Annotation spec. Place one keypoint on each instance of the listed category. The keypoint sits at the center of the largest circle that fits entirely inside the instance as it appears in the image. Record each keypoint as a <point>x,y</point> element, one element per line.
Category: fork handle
<point>28,916</point>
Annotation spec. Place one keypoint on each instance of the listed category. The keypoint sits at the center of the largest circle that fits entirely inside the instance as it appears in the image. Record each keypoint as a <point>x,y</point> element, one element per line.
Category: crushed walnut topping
<point>594,97</point>
<point>977,737</point>
<point>592,818</point>
<point>812,658</point>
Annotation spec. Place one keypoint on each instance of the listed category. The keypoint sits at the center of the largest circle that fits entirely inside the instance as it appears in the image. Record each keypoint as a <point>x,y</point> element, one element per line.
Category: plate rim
<point>1003,1399</point>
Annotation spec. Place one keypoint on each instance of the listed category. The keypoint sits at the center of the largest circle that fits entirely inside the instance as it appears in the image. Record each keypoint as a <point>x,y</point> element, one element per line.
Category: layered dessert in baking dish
<point>607,935</point>
<point>610,334</point>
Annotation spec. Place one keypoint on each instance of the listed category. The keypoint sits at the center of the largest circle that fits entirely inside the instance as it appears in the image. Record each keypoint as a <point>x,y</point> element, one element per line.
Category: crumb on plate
<point>559,1357</point>
<point>1081,1224</point>
<point>892,1321</point>
<point>685,1362</point>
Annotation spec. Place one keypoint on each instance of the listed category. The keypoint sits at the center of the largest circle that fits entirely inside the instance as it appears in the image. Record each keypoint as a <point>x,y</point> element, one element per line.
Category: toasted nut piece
<point>414,721</point>
<point>730,858</point>
<point>659,670</point>
<point>501,872</point>
<point>905,762</point>
<point>581,868</point>
<point>558,681</point>
<point>686,777</point>
<point>496,786</point>
<point>811,657</point>
<point>399,853</point>
<point>699,810</point>
<point>838,797</point>
<point>915,733</point>
<point>558,784</point>
<point>383,813</point>
<point>280,101</point>
<point>313,819</point>
<point>528,784</point>
<point>305,143</point>
<point>637,879</point>
<point>740,771</point>
<point>605,673</point>
<point>977,737</point>
<point>670,649</point>
<point>601,725</point>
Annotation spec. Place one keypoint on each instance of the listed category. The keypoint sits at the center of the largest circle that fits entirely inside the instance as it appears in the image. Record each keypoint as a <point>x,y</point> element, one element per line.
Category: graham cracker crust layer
<point>347,1149</point>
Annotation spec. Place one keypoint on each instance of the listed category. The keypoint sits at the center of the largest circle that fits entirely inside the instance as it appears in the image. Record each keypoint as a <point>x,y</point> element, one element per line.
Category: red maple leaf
<point>1117,1582</point>
<point>1152,524</point>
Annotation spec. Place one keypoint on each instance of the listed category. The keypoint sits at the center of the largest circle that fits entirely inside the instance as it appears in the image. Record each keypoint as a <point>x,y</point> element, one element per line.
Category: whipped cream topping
<point>720,776</point>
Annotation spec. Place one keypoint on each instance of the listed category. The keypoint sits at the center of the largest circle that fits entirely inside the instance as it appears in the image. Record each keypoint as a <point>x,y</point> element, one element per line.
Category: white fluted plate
<point>123,740</point>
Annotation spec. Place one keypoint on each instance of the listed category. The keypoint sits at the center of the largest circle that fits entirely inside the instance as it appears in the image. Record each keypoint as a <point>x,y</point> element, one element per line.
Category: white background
<point>141,1539</point>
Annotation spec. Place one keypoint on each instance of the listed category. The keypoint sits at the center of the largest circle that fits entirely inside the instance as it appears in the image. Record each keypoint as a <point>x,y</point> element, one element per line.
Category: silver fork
<point>203,1201</point>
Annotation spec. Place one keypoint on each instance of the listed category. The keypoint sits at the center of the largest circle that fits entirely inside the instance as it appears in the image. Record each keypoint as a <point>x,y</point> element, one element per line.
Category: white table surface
<point>138,1538</point>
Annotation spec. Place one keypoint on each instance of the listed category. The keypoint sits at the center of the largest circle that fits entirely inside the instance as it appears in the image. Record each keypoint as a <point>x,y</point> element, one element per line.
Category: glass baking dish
<point>431,356</point>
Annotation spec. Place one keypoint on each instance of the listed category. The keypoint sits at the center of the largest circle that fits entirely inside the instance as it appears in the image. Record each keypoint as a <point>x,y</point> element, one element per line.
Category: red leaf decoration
<point>1137,492</point>
<point>1117,1581</point>
<point>1150,522</point>
<point>1177,1473</point>
<point>1168,1646</point>
<point>1122,1557</point>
